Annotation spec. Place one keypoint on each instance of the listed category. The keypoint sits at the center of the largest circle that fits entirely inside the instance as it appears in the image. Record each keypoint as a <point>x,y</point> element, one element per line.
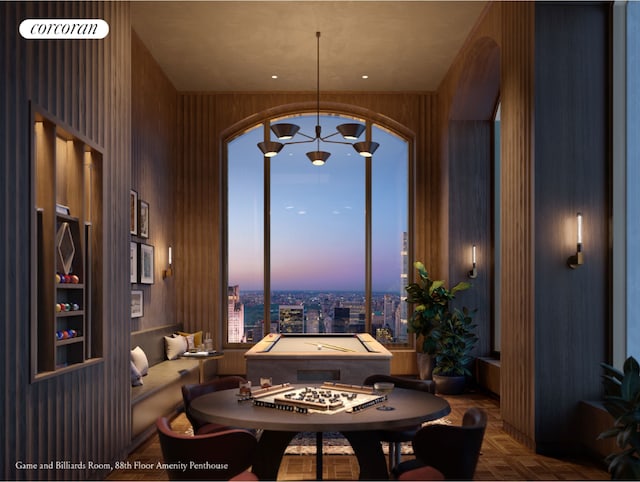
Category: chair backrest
<point>453,450</point>
<point>193,391</point>
<point>400,382</point>
<point>214,456</point>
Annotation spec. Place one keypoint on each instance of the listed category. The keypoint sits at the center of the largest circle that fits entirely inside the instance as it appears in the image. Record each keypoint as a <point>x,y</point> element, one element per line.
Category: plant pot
<point>425,365</point>
<point>449,385</point>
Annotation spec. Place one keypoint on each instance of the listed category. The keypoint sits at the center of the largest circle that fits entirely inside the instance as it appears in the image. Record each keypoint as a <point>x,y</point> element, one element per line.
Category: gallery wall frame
<point>133,201</point>
<point>143,219</point>
<point>137,303</point>
<point>134,261</point>
<point>146,264</point>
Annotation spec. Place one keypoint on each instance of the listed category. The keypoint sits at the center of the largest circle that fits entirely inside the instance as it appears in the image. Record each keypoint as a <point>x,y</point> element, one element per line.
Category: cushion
<point>139,359</point>
<point>190,344</point>
<point>175,346</point>
<point>197,337</point>
<point>136,377</point>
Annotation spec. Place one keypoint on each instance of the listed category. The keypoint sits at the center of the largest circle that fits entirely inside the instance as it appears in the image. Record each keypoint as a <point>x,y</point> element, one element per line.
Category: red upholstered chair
<point>451,450</point>
<point>222,455</point>
<point>193,391</point>
<point>405,434</point>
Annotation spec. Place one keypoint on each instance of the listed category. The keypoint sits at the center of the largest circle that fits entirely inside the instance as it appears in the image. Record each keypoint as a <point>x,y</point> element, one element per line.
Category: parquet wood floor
<point>502,457</point>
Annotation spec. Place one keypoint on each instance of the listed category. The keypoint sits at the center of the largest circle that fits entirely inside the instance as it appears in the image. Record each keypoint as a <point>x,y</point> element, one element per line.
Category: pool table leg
<point>368,451</point>
<point>269,453</point>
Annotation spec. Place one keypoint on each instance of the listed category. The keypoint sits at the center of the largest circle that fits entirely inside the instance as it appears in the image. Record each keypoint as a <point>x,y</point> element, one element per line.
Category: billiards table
<point>312,358</point>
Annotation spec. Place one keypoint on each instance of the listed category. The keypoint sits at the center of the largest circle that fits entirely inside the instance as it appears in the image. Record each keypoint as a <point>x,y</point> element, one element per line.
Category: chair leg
<point>398,454</point>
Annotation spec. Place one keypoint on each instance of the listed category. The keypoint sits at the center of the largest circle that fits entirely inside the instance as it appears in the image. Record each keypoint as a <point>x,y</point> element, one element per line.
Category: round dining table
<point>410,407</point>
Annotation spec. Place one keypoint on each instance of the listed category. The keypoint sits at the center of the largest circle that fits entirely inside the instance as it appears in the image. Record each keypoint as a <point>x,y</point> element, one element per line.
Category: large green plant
<point>431,299</point>
<point>622,401</point>
<point>454,339</point>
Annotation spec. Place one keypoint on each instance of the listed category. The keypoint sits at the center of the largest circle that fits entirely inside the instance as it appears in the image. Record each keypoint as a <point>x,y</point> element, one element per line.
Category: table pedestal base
<point>367,449</point>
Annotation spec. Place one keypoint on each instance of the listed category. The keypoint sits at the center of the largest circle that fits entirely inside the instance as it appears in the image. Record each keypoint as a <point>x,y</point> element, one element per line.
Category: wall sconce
<point>578,258</point>
<point>474,271</point>
<point>169,271</point>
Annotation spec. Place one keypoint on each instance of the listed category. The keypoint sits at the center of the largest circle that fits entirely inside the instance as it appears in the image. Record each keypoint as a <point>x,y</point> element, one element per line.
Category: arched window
<point>324,247</point>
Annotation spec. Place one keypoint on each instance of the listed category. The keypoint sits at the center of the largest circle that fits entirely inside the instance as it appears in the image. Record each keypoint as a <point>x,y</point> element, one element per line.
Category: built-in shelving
<point>67,196</point>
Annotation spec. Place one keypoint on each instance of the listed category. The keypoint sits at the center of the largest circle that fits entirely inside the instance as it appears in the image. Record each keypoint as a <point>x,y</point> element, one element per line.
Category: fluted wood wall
<point>153,149</point>
<point>553,70</point>
<point>82,415</point>
<point>205,119</point>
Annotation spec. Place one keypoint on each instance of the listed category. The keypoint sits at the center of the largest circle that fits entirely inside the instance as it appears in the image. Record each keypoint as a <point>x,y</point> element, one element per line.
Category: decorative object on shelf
<point>577,259</point>
<point>62,209</point>
<point>137,303</point>
<point>146,264</point>
<point>133,254</point>
<point>65,247</point>
<point>286,131</point>
<point>169,271</point>
<point>133,201</point>
<point>622,401</point>
<point>431,299</point>
<point>143,219</point>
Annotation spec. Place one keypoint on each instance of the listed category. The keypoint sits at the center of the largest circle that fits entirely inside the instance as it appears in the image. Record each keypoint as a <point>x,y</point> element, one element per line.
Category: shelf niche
<point>66,320</point>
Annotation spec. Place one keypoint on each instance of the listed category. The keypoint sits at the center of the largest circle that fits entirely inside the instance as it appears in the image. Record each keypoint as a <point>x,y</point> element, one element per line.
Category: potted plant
<point>454,340</point>
<point>622,401</point>
<point>431,306</point>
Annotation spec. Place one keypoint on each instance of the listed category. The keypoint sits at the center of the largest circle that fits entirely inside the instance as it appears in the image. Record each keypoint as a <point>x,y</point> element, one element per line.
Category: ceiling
<point>238,45</point>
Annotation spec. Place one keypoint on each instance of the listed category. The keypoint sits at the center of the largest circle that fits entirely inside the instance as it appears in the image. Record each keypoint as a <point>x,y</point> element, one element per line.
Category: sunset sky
<point>317,213</point>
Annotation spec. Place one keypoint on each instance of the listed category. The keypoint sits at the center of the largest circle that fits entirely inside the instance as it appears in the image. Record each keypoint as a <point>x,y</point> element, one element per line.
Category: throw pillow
<point>197,338</point>
<point>136,378</point>
<point>175,346</point>
<point>139,359</point>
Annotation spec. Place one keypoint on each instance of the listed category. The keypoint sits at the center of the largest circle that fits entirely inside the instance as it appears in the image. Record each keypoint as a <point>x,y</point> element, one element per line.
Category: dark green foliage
<point>454,339</point>
<point>431,299</point>
<point>622,401</point>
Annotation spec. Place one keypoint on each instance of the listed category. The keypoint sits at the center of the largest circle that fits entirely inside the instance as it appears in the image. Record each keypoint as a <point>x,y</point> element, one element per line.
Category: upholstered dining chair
<point>193,391</point>
<point>450,451</point>
<point>404,434</point>
<point>222,455</point>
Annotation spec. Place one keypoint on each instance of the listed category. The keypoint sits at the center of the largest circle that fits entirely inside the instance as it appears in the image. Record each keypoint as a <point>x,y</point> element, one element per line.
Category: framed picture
<point>137,303</point>
<point>134,261</point>
<point>143,219</point>
<point>133,200</point>
<point>146,264</point>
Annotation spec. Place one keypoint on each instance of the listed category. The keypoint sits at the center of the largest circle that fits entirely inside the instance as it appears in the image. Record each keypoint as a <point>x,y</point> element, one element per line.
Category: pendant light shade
<point>284,131</point>
<point>270,148</point>
<point>350,131</point>
<point>318,158</point>
<point>366,148</point>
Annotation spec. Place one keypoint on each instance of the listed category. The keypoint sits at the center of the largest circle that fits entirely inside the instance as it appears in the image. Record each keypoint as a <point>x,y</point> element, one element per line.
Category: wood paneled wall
<point>153,148</point>
<point>572,173</point>
<point>553,71</point>
<point>82,415</point>
<point>517,376</point>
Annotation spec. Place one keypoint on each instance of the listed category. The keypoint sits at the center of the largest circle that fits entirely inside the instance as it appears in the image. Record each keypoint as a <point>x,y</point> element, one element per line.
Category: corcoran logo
<point>63,28</point>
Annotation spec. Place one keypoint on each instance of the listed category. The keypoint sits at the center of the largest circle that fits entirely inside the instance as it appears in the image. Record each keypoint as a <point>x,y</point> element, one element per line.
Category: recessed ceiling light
<point>274,76</point>
<point>365,76</point>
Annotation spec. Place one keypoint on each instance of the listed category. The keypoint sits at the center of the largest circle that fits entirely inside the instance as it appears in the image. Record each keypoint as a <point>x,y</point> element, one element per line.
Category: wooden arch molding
<point>311,107</point>
<point>478,89</point>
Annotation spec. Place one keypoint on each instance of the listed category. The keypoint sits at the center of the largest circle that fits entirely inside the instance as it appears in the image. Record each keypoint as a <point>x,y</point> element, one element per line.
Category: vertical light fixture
<point>474,271</point>
<point>578,258</point>
<point>169,271</point>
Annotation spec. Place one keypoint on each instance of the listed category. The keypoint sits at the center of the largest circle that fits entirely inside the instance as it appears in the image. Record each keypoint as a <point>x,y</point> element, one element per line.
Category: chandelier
<point>285,131</point>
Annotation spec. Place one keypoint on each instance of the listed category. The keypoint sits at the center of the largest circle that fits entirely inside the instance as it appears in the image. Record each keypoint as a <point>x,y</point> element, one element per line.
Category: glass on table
<point>265,382</point>
<point>384,389</point>
<point>245,388</point>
